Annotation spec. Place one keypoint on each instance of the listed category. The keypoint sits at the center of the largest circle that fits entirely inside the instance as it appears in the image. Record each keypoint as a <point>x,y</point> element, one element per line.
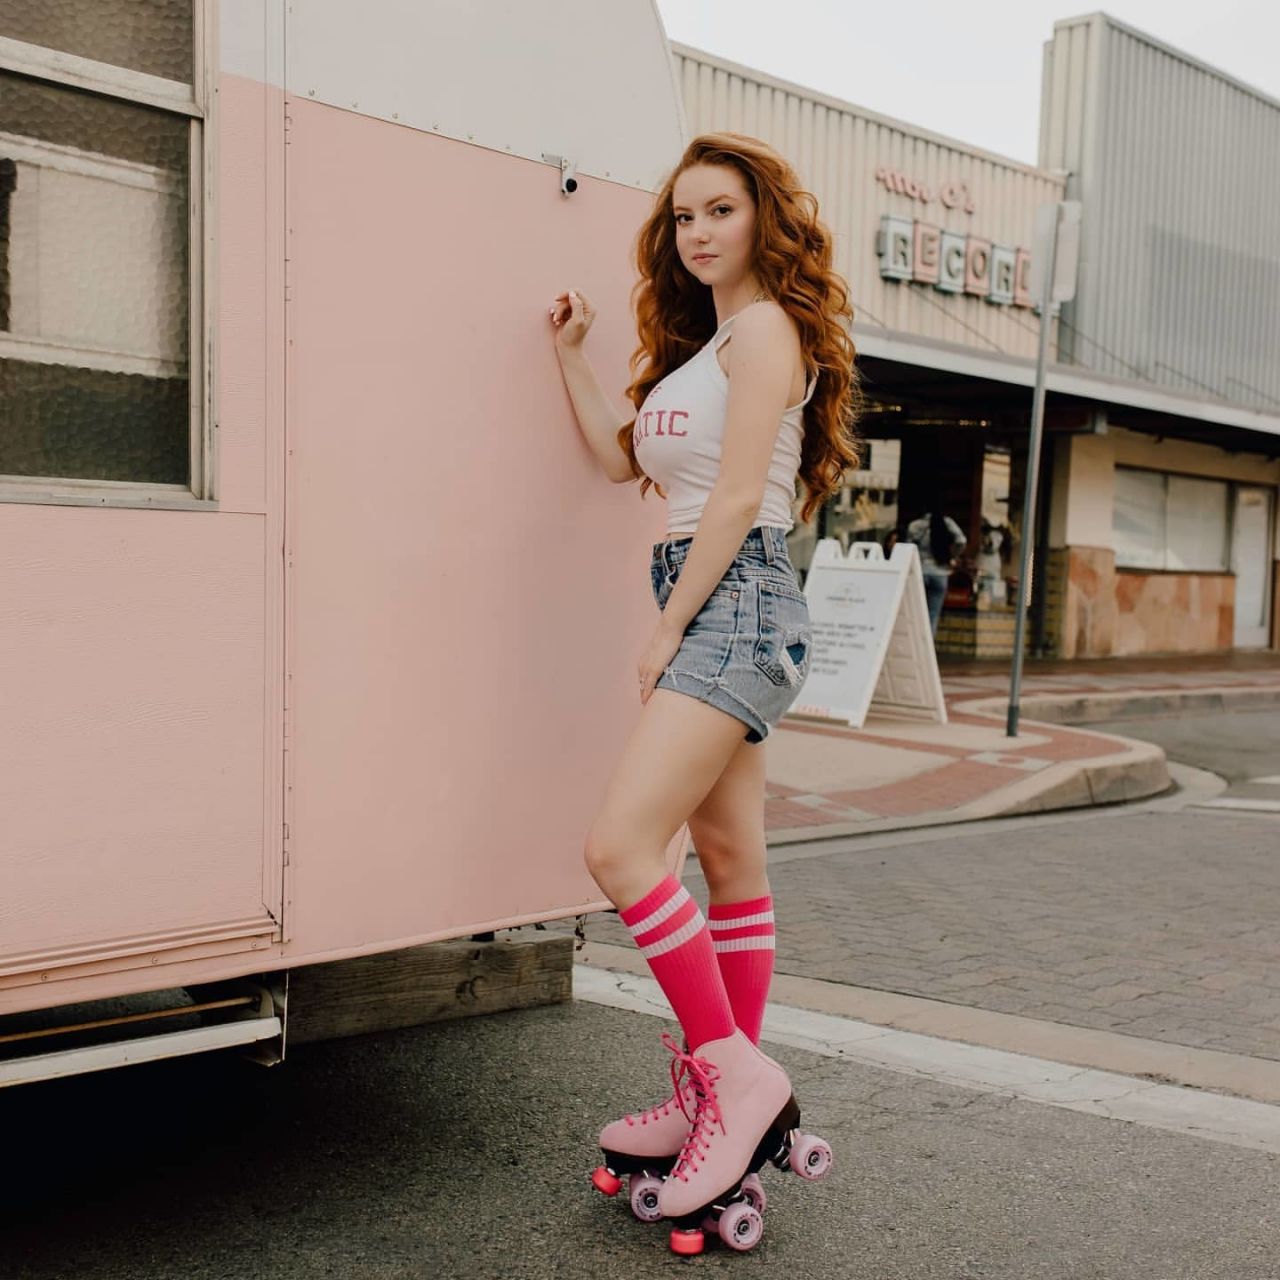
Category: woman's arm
<point>596,414</point>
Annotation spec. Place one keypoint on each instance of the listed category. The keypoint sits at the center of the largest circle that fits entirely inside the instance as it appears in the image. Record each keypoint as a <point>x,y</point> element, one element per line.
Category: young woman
<point>744,378</point>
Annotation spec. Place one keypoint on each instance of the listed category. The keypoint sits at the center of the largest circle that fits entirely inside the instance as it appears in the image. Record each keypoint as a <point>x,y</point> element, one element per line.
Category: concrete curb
<point>1164,1060</point>
<point>1133,774</point>
<point>1134,771</point>
<point>1090,708</point>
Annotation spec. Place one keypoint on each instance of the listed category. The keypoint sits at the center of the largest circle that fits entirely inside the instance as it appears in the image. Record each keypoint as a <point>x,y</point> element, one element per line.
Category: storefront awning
<point>1070,381</point>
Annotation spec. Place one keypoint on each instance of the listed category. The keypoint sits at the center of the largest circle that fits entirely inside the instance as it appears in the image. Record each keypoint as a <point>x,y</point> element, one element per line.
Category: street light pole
<point>1032,479</point>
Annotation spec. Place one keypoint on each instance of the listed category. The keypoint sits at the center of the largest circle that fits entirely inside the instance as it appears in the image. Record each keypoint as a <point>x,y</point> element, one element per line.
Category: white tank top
<point>678,434</point>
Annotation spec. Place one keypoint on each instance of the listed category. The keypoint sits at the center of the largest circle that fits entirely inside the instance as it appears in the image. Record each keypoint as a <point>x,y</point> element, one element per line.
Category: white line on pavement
<point>1242,803</point>
<point>1192,1112</point>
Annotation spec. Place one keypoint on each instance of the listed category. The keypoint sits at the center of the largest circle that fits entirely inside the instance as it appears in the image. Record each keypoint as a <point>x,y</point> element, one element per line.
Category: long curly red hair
<point>675,313</point>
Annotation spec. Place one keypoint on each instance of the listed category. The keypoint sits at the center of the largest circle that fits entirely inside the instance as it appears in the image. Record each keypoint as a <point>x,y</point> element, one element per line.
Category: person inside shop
<point>940,541</point>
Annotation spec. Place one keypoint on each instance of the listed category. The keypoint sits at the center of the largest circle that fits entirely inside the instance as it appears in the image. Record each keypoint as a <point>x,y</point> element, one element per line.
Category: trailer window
<point>101,257</point>
<point>153,36</point>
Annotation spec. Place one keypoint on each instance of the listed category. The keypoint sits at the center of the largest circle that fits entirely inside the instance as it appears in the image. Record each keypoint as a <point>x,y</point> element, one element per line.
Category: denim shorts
<point>747,651</point>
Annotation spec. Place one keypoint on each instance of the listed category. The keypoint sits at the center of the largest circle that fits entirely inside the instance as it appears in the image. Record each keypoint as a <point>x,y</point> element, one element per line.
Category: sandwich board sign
<point>872,647</point>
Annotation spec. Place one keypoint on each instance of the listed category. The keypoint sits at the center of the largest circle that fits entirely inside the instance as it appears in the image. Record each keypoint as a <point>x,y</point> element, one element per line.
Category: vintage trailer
<point>319,617</point>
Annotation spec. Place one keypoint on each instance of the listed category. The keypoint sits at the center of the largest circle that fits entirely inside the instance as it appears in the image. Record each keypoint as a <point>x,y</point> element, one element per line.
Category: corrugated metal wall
<point>836,148</point>
<point>1178,167</point>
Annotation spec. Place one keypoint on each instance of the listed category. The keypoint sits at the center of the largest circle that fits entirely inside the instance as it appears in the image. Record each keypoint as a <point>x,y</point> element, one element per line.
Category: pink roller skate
<point>745,1114</point>
<point>644,1146</point>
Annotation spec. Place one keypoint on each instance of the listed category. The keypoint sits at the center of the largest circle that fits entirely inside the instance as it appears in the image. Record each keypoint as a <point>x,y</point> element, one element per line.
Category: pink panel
<point>249,365</point>
<point>470,594</point>
<point>250,134</point>
<point>131,759</point>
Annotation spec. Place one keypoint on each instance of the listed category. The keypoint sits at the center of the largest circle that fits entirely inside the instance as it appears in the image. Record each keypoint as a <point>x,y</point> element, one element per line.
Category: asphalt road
<point>463,1149</point>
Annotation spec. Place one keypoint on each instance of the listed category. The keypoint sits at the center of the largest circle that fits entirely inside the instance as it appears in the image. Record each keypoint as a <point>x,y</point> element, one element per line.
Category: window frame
<point>1228,485</point>
<point>198,103</point>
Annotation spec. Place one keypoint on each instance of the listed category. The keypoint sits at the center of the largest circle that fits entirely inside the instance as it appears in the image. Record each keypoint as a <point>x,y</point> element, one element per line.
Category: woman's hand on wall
<point>571,315</point>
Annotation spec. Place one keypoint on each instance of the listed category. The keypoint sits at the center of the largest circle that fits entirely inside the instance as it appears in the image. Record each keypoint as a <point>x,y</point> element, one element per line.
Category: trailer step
<point>72,1062</point>
<point>253,1018</point>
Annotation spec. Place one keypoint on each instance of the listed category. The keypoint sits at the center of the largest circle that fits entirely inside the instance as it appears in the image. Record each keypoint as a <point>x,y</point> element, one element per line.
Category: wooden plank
<point>432,983</point>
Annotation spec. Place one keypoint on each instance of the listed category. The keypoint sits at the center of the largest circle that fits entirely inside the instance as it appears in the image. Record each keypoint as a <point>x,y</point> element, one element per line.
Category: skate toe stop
<point>687,1243</point>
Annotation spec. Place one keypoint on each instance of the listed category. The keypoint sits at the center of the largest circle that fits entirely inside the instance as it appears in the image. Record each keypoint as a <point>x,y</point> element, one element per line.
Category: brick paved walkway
<point>1247,664</point>
<point>1247,669</point>
<point>1154,925</point>
<point>911,771</point>
<point>937,767</point>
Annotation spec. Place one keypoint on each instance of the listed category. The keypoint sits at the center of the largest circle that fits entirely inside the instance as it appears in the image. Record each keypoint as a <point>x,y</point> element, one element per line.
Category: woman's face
<point>714,215</point>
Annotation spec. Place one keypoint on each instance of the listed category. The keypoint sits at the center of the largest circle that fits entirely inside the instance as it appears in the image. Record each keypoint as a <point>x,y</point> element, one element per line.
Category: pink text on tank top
<point>678,436</point>
<point>643,428</point>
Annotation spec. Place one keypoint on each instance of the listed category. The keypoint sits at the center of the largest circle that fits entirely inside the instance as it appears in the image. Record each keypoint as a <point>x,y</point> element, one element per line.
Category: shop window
<point>1162,521</point>
<point>1137,519</point>
<point>866,509</point>
<point>96,244</point>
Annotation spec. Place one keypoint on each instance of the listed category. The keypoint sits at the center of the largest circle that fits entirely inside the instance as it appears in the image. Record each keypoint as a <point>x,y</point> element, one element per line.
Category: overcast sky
<point>969,71</point>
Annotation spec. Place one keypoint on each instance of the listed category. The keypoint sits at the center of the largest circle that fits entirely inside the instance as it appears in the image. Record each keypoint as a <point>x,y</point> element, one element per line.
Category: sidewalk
<point>826,780</point>
<point>1080,692</point>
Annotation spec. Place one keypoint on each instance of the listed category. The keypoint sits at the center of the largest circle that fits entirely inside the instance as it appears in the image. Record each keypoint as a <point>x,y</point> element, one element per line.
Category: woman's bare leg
<point>675,755</point>
<point>728,829</point>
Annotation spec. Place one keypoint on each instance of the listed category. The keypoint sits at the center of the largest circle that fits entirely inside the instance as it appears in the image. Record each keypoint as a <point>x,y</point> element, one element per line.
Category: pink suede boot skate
<point>644,1146</point>
<point>745,1114</point>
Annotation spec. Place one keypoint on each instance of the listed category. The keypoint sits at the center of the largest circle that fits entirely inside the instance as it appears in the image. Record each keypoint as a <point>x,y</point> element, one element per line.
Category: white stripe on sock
<point>762,942</point>
<point>765,917</point>
<point>682,935</point>
<point>664,912</point>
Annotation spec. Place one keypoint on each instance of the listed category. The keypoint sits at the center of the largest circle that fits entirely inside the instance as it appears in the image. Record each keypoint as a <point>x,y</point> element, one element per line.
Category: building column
<point>1082,554</point>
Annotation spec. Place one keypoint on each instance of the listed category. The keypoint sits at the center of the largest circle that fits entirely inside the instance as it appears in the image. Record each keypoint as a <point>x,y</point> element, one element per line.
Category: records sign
<point>953,261</point>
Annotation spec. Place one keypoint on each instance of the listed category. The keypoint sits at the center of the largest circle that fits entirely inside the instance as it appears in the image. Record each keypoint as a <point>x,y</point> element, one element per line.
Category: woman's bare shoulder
<point>767,321</point>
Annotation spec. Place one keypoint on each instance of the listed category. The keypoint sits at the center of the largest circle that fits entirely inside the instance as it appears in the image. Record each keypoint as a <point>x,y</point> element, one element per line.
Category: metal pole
<point>1031,484</point>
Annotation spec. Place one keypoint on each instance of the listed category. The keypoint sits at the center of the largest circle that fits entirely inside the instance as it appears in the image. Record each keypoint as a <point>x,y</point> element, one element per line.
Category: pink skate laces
<point>663,1109</point>
<point>703,1076</point>
<point>657,1113</point>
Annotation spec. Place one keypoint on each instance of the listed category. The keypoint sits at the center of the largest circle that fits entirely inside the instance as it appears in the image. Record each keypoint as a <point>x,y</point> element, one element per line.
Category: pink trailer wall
<point>131,757</point>
<point>373,697</point>
<point>469,592</point>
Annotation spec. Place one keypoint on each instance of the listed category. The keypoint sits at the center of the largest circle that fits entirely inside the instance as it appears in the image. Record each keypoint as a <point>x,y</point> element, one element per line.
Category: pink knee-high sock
<point>673,937</point>
<point>742,934</point>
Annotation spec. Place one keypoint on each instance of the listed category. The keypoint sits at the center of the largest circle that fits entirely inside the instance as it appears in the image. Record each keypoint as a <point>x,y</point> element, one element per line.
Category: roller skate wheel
<point>687,1243</point>
<point>605,1182</point>
<point>753,1193</point>
<point>644,1197</point>
<point>810,1157</point>
<point>741,1226</point>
